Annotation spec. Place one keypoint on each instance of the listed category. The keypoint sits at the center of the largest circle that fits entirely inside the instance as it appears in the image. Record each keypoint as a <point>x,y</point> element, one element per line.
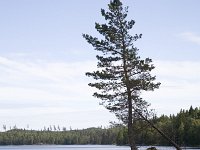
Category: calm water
<point>65,147</point>
<point>78,147</point>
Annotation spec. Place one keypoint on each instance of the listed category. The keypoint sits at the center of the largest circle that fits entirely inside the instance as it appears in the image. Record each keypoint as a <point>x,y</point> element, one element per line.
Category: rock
<point>152,148</point>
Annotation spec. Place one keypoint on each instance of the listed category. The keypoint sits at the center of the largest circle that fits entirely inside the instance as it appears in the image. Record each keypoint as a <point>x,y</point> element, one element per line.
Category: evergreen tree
<point>122,75</point>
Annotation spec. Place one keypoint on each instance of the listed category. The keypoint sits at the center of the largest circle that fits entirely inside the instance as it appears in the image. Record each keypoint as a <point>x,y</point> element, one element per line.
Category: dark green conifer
<point>121,75</point>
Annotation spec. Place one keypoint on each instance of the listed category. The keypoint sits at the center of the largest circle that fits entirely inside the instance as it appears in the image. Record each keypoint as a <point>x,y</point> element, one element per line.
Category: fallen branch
<point>159,131</point>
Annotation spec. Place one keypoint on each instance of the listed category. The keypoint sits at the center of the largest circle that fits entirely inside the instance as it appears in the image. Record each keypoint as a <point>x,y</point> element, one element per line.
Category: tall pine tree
<point>121,75</point>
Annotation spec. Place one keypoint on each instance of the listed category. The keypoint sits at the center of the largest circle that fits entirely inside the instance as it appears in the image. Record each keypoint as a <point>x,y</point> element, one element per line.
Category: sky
<point>43,59</point>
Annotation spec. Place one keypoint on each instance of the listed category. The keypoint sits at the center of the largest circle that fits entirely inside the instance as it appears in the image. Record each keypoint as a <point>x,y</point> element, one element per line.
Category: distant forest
<point>184,128</point>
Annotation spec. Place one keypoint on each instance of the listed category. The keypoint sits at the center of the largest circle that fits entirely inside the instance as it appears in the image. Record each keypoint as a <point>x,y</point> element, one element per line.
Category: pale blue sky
<point>43,58</point>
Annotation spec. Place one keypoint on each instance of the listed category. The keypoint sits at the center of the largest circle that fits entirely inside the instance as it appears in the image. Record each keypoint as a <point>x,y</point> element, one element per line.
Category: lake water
<point>78,147</point>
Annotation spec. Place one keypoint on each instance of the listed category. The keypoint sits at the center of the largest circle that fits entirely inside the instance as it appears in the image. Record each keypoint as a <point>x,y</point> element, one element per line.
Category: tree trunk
<point>159,131</point>
<point>131,136</point>
<point>130,123</point>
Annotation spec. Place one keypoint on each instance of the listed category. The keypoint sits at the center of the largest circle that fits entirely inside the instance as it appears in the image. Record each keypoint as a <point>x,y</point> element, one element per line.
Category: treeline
<point>183,128</point>
<point>85,136</point>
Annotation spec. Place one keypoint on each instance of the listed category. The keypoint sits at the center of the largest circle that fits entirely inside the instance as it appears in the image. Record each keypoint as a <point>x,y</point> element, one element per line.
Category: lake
<point>78,147</point>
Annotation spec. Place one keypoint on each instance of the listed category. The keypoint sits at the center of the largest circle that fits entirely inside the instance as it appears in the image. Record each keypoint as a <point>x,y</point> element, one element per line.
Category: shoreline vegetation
<point>184,128</point>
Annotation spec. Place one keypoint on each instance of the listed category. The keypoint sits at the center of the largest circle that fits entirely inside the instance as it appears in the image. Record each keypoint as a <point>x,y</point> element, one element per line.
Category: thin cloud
<point>44,88</point>
<point>43,83</point>
<point>178,70</point>
<point>191,37</point>
<point>52,71</point>
<point>56,88</point>
<point>180,84</point>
